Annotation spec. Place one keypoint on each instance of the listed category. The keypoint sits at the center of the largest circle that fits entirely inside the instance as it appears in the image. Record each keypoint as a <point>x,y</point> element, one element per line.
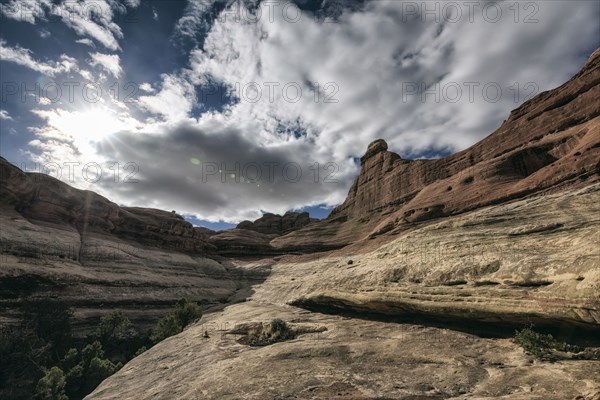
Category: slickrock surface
<point>550,143</point>
<point>534,260</point>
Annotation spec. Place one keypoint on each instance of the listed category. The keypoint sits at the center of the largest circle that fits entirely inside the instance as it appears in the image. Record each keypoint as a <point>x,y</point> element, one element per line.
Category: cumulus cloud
<point>133,3</point>
<point>174,101</point>
<point>146,87</point>
<point>22,56</point>
<point>375,66</point>
<point>26,11</point>
<point>71,136</point>
<point>93,19</point>
<point>325,90</point>
<point>109,62</point>
<point>193,22</point>
<point>312,93</point>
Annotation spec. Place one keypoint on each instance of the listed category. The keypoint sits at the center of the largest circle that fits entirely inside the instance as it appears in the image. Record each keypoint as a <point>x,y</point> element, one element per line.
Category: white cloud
<point>93,19</point>
<point>71,136</point>
<point>5,115</point>
<point>78,16</point>
<point>44,101</point>
<point>86,75</point>
<point>146,87</point>
<point>368,58</point>
<point>174,101</point>
<point>371,58</point>
<point>87,42</point>
<point>26,11</point>
<point>22,56</point>
<point>190,24</point>
<point>109,62</point>
<point>133,3</point>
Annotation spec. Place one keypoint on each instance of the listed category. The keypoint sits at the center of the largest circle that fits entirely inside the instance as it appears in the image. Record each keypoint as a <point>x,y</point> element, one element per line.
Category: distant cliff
<point>551,143</point>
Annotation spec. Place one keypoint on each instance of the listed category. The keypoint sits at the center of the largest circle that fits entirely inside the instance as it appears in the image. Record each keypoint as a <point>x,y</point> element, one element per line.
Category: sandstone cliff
<point>61,242</point>
<point>47,201</point>
<point>550,143</point>
<point>277,224</point>
<point>252,239</point>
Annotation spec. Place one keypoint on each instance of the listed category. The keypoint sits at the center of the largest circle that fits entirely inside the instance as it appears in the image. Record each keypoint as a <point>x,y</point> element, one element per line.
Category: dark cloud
<point>190,170</point>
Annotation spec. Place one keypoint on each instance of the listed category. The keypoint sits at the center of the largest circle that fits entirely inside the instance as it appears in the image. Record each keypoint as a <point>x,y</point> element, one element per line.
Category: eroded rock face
<point>48,201</point>
<point>550,143</point>
<point>242,243</point>
<point>253,239</point>
<point>277,224</point>
<point>77,246</point>
<point>481,273</point>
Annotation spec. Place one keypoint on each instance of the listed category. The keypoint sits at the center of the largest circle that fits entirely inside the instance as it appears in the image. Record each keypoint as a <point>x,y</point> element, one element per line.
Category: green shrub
<point>117,335</point>
<point>141,350</point>
<point>52,386</point>
<point>187,312</point>
<point>542,346</point>
<point>91,369</point>
<point>173,323</point>
<point>113,327</point>
<point>166,327</point>
<point>275,331</point>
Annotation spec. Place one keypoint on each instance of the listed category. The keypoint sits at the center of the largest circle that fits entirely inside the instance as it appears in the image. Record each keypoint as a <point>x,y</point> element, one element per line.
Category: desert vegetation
<point>545,348</point>
<point>41,359</point>
<point>268,333</point>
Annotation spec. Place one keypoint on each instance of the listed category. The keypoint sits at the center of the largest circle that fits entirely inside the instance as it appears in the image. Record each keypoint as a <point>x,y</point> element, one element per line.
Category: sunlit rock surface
<point>534,260</point>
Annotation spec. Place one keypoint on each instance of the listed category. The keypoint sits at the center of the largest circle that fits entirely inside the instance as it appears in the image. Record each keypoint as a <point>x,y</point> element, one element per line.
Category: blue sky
<point>222,110</point>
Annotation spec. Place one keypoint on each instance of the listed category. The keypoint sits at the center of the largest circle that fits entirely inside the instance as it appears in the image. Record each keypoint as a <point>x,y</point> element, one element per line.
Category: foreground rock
<point>532,261</point>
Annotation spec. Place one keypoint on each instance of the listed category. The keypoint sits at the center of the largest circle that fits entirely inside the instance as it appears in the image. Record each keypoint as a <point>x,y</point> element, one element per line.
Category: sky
<point>223,110</point>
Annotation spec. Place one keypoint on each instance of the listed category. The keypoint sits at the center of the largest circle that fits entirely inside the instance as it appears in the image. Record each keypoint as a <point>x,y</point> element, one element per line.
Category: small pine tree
<point>187,312</point>
<point>92,369</point>
<point>173,323</point>
<point>166,327</point>
<point>52,385</point>
<point>140,351</point>
<point>117,335</point>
